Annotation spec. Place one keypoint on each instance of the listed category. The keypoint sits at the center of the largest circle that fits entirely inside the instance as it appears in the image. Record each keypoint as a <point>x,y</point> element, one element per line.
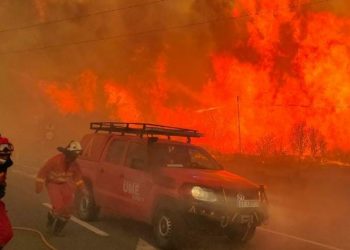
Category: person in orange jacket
<point>6,149</point>
<point>59,173</point>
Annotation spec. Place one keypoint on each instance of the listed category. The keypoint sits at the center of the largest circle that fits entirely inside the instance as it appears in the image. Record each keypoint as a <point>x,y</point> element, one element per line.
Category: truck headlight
<point>203,194</point>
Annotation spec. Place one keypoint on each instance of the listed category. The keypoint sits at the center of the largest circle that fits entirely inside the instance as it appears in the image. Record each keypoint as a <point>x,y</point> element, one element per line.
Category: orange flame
<point>123,103</point>
<point>298,70</point>
<point>73,98</point>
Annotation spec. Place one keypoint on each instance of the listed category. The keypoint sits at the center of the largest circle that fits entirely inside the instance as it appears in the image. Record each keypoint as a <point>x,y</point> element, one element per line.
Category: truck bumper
<point>224,216</point>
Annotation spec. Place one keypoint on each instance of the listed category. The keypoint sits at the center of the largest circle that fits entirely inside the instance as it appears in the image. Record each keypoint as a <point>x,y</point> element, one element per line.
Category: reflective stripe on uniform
<point>60,176</point>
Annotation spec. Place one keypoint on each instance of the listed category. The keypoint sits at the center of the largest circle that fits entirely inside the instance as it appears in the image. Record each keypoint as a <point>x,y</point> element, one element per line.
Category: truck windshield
<point>180,156</point>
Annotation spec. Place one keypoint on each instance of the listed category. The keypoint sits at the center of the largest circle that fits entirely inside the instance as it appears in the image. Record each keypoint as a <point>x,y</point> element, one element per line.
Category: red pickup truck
<point>138,171</point>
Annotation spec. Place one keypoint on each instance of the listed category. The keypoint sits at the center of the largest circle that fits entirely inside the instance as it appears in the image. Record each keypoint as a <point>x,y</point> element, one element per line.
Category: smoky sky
<point>187,51</point>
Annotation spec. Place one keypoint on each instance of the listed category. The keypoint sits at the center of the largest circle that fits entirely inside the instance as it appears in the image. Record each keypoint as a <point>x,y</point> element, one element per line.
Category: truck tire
<point>240,233</point>
<point>169,229</point>
<point>86,208</point>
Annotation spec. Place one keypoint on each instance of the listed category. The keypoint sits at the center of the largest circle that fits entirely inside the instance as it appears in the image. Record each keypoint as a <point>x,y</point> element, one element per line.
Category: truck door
<point>109,181</point>
<point>137,182</point>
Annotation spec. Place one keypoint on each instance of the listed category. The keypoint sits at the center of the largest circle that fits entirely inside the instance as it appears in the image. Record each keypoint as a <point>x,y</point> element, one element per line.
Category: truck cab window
<point>115,152</point>
<point>137,156</point>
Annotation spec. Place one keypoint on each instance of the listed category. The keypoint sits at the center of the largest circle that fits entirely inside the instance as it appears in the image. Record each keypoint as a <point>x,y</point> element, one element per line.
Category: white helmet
<point>74,146</point>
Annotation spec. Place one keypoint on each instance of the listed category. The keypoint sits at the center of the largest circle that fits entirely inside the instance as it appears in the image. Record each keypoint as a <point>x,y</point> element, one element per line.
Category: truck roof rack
<point>142,129</point>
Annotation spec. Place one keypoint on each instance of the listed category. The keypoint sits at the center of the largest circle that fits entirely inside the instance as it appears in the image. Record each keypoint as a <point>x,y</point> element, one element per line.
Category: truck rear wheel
<point>85,206</point>
<point>169,229</point>
<point>240,233</point>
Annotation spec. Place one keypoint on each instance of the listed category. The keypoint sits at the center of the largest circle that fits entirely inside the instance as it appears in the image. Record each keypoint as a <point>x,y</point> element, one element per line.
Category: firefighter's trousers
<point>62,198</point>
<point>5,226</point>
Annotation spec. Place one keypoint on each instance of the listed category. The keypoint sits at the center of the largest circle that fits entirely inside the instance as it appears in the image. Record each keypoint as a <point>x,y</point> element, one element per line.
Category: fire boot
<point>50,221</point>
<point>59,225</point>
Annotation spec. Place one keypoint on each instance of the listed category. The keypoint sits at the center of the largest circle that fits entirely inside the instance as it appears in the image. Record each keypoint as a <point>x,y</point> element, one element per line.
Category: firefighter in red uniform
<point>6,149</point>
<point>62,175</point>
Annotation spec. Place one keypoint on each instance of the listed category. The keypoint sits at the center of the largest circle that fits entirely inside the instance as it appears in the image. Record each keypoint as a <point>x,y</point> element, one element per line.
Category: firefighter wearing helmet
<point>6,149</point>
<point>58,174</point>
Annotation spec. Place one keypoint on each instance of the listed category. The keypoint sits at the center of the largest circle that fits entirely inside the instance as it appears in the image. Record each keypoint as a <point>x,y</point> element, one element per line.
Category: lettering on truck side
<point>132,188</point>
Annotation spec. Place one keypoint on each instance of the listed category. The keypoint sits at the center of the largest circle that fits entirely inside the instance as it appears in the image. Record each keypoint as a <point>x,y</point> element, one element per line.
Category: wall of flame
<point>288,61</point>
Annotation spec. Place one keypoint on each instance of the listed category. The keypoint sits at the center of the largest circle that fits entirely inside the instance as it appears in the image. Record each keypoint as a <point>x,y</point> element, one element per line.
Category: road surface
<point>311,224</point>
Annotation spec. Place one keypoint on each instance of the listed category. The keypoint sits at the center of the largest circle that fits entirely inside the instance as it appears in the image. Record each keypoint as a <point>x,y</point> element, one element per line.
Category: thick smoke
<point>165,76</point>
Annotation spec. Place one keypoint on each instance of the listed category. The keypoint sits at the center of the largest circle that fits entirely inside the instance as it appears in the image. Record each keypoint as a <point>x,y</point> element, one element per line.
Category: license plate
<point>248,203</point>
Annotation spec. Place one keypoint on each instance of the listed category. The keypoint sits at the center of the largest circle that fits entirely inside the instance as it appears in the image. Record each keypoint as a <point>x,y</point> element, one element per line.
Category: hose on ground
<point>42,237</point>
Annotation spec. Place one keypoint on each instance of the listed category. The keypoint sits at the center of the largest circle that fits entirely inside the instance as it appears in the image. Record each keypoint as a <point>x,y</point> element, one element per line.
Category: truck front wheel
<point>85,206</point>
<point>169,229</point>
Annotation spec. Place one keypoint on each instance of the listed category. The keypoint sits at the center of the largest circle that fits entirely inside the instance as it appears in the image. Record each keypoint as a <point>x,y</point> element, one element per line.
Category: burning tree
<point>272,146</point>
<point>317,142</point>
<point>303,138</point>
<point>266,145</point>
<point>299,138</point>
